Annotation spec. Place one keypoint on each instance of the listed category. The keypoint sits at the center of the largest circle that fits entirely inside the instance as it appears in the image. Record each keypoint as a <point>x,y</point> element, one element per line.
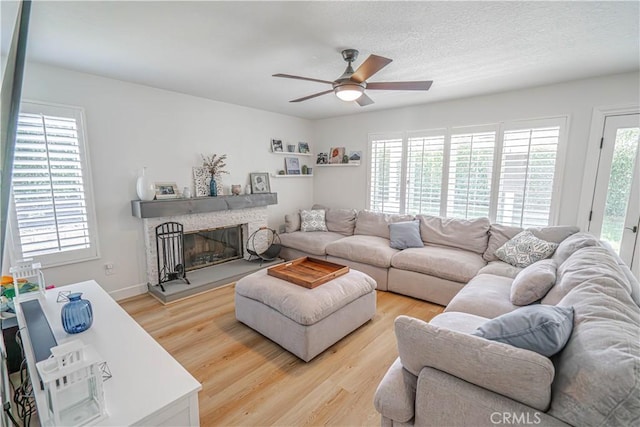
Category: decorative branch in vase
<point>215,165</point>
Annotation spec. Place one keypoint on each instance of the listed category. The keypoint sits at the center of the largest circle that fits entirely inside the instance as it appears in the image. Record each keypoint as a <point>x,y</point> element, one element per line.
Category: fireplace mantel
<point>174,207</point>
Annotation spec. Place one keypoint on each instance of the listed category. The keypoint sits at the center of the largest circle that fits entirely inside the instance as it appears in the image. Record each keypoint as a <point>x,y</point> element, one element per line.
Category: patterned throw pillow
<point>313,220</point>
<point>525,249</point>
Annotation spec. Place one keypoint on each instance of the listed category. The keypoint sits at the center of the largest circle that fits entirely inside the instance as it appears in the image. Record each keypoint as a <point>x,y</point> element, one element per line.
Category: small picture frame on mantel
<point>166,190</point>
<point>259,183</point>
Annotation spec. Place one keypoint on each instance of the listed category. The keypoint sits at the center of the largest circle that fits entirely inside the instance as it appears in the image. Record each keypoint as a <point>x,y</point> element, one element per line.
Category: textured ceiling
<point>227,51</point>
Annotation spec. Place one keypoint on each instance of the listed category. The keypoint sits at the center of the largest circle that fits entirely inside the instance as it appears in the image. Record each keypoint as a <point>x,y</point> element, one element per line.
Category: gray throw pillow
<point>312,220</point>
<point>405,235</point>
<point>544,329</point>
<point>525,249</point>
<point>533,283</point>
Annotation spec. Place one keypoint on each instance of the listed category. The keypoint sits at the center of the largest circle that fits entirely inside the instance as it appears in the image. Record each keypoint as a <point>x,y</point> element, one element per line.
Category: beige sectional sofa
<point>446,376</point>
<point>455,250</point>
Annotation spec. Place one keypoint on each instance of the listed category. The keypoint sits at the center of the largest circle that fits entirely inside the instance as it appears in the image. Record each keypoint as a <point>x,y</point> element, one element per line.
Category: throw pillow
<point>292,222</point>
<point>405,235</point>
<point>525,249</point>
<point>544,329</point>
<point>312,220</point>
<point>532,283</point>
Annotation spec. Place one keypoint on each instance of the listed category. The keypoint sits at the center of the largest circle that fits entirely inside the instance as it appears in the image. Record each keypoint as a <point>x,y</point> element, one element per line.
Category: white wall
<point>573,99</point>
<point>130,126</point>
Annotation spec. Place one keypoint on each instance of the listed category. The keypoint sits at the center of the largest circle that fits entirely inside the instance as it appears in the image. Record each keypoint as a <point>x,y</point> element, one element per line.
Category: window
<point>53,215</point>
<point>503,172</point>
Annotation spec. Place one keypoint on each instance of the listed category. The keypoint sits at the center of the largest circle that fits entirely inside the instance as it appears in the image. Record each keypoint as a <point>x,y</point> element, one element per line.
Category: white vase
<point>144,187</point>
<point>247,189</point>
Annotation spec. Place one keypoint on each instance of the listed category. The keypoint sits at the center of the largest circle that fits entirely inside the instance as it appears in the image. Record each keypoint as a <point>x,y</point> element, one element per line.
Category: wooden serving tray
<point>307,272</point>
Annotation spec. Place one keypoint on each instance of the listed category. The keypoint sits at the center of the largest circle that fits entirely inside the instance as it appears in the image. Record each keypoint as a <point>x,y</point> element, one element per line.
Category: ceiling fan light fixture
<point>349,92</point>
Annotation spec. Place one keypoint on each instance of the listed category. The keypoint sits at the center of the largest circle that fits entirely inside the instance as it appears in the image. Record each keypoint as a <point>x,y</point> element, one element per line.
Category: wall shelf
<point>291,176</point>
<point>291,153</point>
<point>333,165</point>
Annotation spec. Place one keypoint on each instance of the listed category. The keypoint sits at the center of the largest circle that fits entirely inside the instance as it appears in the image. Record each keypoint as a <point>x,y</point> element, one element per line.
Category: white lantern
<point>73,385</point>
<point>29,271</point>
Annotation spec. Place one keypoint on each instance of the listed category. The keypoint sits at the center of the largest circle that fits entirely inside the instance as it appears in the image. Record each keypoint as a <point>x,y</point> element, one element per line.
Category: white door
<point>615,212</point>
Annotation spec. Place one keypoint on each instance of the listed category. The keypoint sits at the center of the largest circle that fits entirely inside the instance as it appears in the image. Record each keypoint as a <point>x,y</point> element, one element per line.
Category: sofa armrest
<point>521,375</point>
<point>396,393</point>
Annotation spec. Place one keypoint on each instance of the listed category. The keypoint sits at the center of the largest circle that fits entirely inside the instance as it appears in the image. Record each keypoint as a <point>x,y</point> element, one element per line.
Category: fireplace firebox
<point>204,248</point>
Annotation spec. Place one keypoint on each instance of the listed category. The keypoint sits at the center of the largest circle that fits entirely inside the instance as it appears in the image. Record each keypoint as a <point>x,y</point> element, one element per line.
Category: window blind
<point>48,186</point>
<point>425,159</point>
<point>527,176</point>
<point>470,172</point>
<point>386,174</point>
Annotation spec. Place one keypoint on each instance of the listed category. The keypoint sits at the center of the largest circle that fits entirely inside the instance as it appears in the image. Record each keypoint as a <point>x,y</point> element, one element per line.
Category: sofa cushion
<point>292,222</point>
<point>533,283</point>
<point>341,221</point>
<point>498,235</point>
<point>571,244</point>
<point>525,249</point>
<point>377,224</point>
<point>468,234</point>
<point>582,266</point>
<point>544,329</point>
<point>598,380</point>
<point>519,374</point>
<point>485,295</point>
<point>554,233</point>
<point>370,250</point>
<point>447,263</point>
<point>405,235</point>
<point>312,220</point>
<point>311,243</point>
<point>500,268</point>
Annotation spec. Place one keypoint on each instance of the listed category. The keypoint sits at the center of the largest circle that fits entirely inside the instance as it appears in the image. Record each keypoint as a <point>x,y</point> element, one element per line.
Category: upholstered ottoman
<point>305,321</point>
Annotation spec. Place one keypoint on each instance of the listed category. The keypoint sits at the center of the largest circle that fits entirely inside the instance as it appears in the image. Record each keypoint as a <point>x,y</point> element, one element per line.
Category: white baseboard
<point>129,292</point>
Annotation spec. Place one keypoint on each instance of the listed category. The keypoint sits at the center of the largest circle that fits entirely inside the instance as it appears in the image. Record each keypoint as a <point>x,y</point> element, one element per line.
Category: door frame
<point>593,156</point>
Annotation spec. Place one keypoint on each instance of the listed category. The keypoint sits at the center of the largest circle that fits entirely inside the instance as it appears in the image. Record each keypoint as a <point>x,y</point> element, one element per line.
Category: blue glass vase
<point>77,314</point>
<point>213,188</point>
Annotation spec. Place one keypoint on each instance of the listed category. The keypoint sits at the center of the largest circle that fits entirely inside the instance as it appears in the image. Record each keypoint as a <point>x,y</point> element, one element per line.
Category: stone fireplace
<point>226,232</point>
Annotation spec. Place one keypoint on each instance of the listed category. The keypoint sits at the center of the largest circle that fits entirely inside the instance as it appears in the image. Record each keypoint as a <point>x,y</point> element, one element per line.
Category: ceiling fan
<point>350,86</point>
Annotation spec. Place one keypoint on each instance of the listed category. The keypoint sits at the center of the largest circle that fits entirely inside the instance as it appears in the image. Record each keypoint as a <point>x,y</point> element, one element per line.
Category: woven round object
<point>264,243</point>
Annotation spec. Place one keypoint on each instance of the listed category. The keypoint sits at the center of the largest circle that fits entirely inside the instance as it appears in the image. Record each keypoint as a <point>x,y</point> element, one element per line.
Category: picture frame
<point>355,157</point>
<point>276,145</point>
<point>322,159</point>
<point>336,155</point>
<point>200,176</point>
<point>259,182</point>
<point>165,190</point>
<point>303,147</point>
<point>292,165</point>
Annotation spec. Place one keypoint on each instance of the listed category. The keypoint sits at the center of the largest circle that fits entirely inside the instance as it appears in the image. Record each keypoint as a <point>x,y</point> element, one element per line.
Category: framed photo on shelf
<point>322,159</point>
<point>303,147</point>
<point>292,165</point>
<point>276,145</point>
<point>355,157</point>
<point>259,182</point>
<point>166,190</point>
<point>336,155</point>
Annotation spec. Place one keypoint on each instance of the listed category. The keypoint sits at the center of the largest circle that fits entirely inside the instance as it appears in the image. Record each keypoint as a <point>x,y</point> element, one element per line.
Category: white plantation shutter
<point>470,172</point>
<point>52,212</point>
<point>527,175</point>
<point>385,180</point>
<point>425,161</point>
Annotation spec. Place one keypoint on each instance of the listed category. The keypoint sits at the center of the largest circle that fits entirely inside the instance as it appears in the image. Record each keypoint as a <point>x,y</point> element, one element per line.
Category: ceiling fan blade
<point>289,76</point>
<point>369,67</point>
<point>312,96</point>
<point>364,100</point>
<point>425,85</point>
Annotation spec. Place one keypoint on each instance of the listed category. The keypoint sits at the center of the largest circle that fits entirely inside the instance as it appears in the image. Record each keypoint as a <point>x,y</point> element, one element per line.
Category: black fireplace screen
<point>170,253</point>
<point>214,246</point>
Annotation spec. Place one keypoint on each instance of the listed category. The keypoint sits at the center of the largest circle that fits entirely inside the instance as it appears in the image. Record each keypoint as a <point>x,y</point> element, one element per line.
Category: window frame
<point>562,121</point>
<point>60,258</point>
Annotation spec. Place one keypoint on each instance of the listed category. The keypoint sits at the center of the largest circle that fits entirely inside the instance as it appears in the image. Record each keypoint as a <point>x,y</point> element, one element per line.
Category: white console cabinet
<point>148,386</point>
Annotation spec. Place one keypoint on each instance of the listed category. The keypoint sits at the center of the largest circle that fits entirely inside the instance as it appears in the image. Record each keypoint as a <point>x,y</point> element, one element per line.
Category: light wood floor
<point>248,380</point>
